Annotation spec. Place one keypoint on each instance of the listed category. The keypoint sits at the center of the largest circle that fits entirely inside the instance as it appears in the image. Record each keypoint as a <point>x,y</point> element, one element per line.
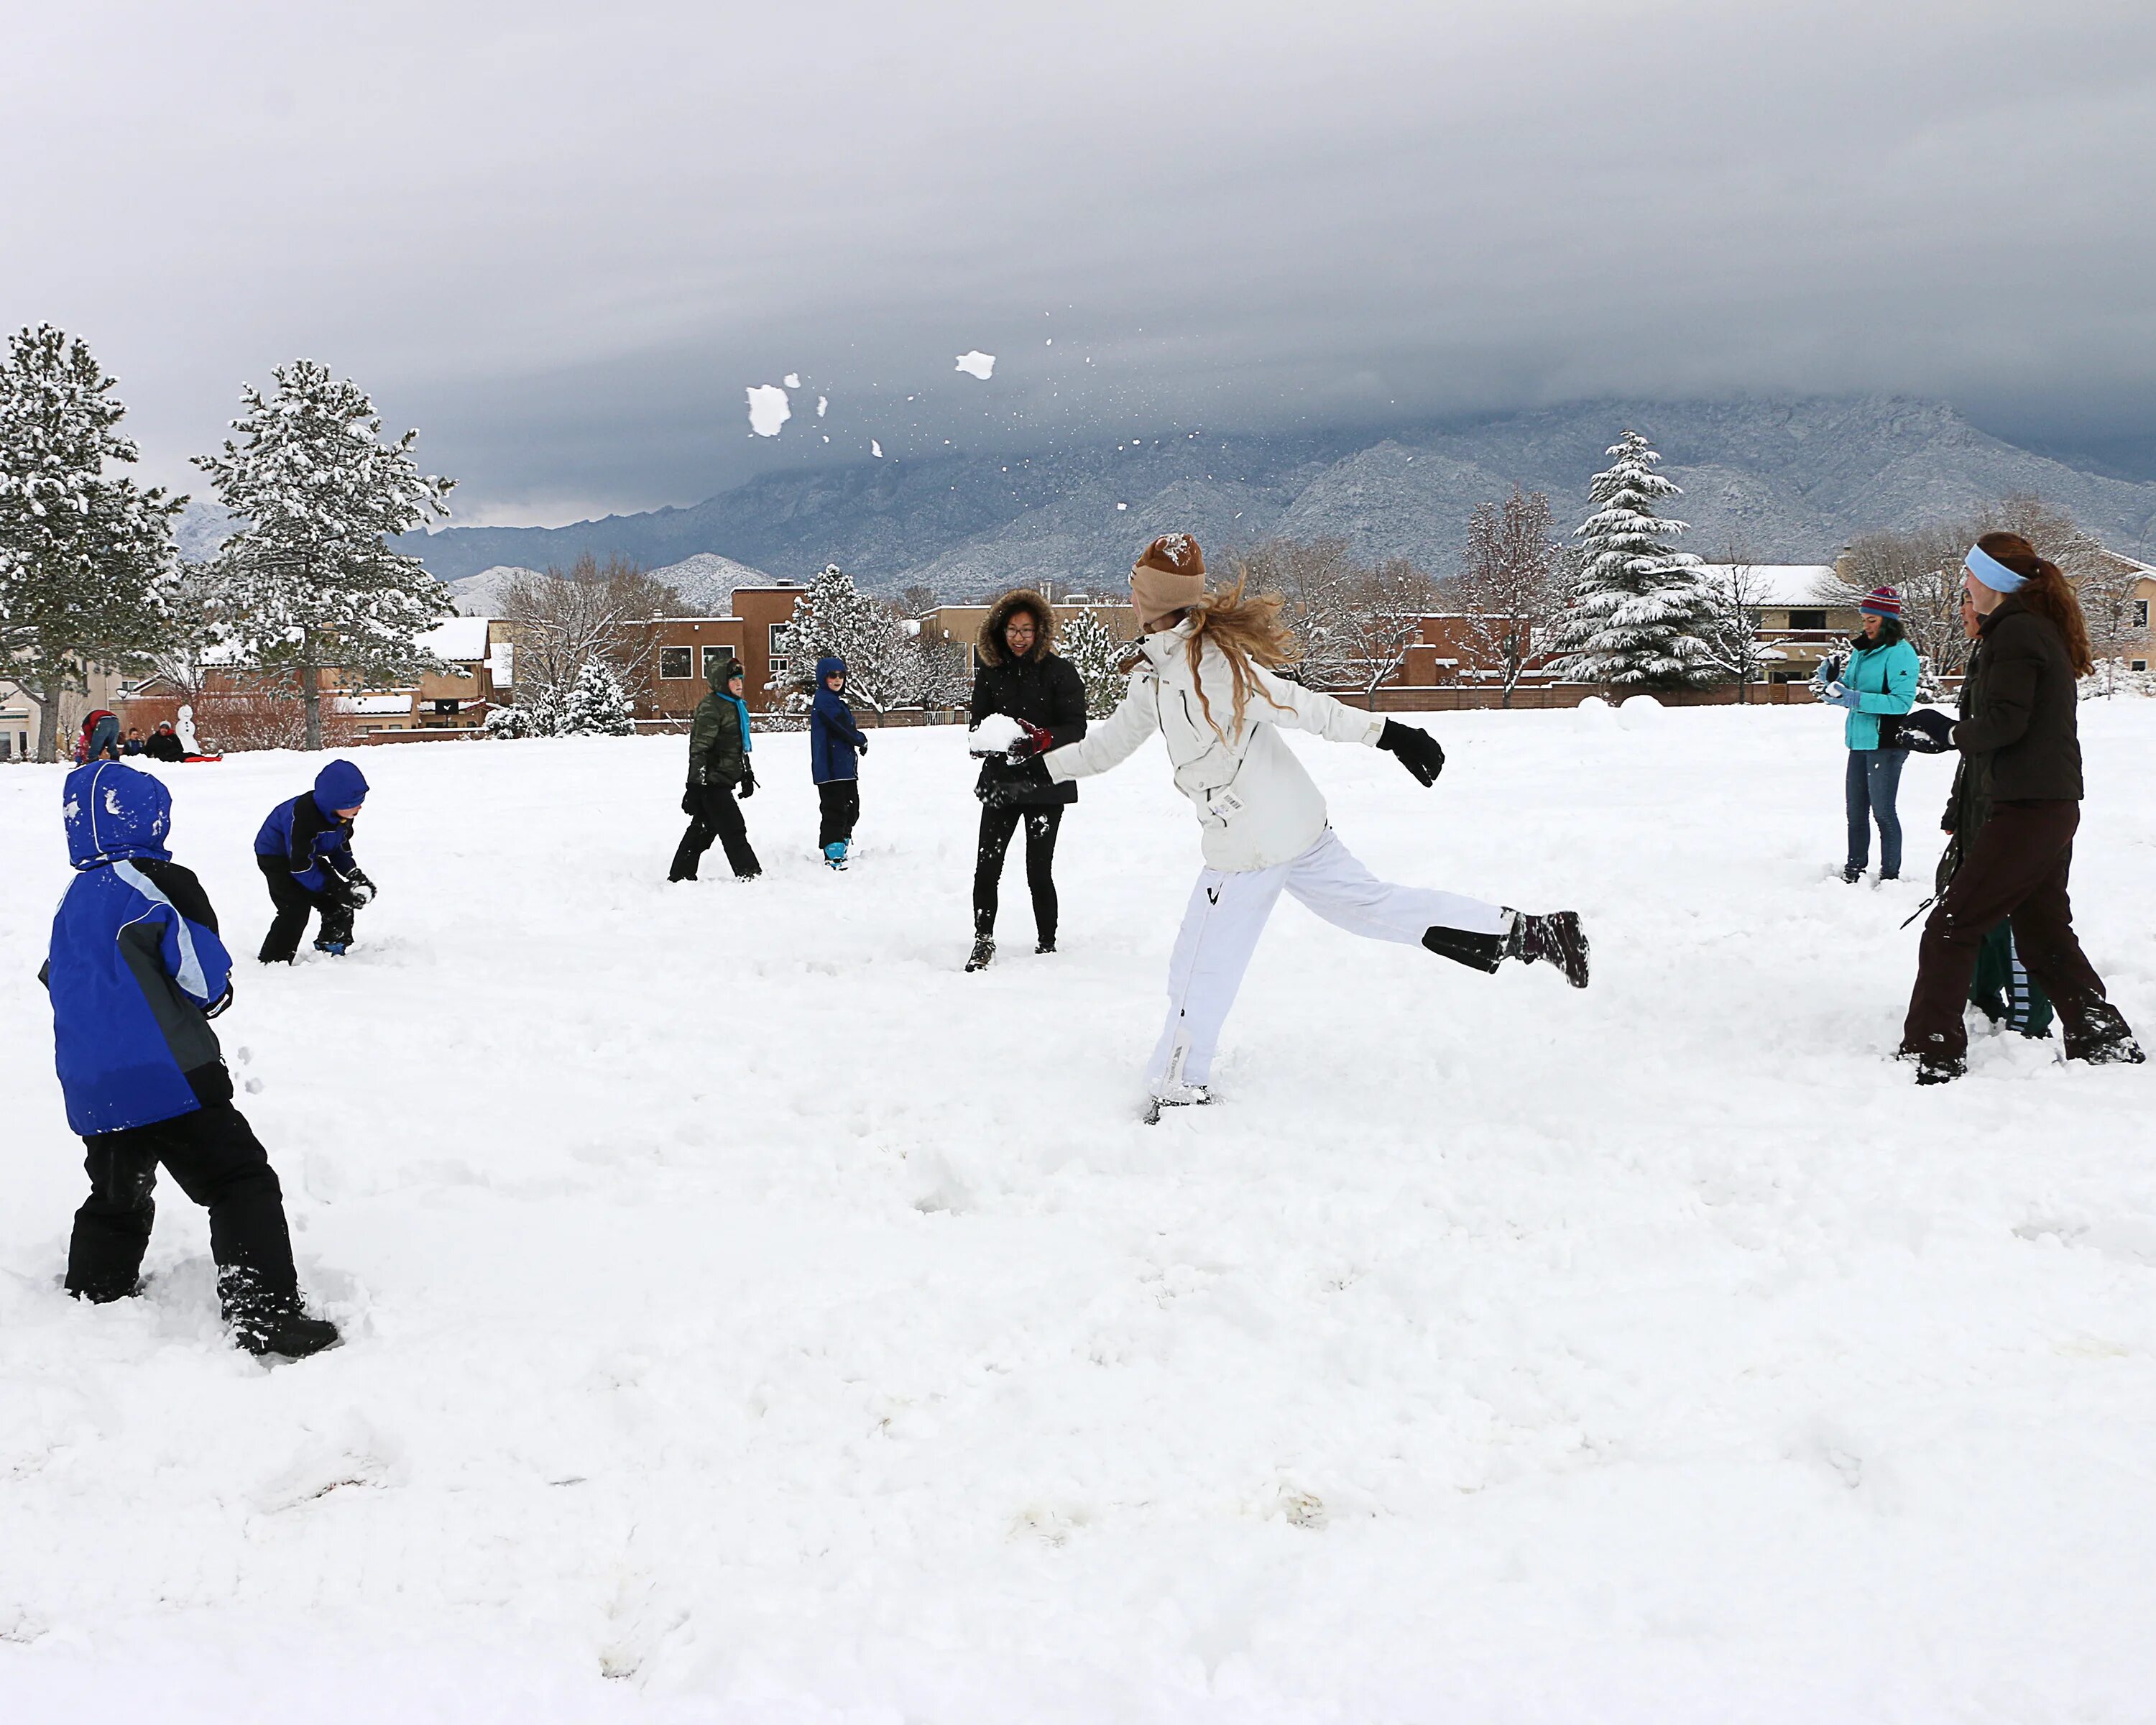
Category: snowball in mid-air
<point>994,735</point>
<point>875,448</point>
<point>978,364</point>
<point>821,402</point>
<point>767,409</point>
<point>793,380</point>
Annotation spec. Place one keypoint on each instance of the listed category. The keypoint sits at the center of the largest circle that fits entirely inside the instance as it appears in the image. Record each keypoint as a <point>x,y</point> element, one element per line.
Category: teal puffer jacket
<point>1885,678</point>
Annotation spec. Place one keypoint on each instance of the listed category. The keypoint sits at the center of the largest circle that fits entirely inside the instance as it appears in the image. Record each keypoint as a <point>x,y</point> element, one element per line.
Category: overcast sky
<point>563,239</point>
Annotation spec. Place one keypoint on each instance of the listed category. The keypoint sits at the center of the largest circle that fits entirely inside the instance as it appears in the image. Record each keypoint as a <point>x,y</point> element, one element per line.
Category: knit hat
<point>1881,601</point>
<point>1169,575</point>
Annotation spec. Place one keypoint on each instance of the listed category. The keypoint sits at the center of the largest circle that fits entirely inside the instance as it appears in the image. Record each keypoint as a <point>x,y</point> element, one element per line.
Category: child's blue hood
<point>113,813</point>
<point>339,785</point>
<point>830,665</point>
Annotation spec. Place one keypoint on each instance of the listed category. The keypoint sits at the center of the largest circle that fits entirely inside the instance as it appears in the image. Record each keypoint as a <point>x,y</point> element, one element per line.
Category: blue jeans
<point>1874,776</point>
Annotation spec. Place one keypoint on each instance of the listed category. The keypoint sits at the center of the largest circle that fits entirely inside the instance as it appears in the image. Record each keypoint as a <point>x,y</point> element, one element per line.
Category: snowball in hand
<point>767,409</point>
<point>995,735</point>
<point>978,364</point>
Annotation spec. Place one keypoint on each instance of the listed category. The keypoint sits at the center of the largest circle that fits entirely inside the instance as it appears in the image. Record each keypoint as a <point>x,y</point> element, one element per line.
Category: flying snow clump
<point>978,364</point>
<point>767,409</point>
<point>875,448</point>
<point>793,380</point>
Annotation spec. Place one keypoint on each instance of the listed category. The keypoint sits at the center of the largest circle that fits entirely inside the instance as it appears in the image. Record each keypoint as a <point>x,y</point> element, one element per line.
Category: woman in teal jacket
<point>1880,678</point>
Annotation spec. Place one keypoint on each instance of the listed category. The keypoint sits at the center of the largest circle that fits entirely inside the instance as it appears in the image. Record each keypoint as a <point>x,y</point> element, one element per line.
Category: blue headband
<point>1992,573</point>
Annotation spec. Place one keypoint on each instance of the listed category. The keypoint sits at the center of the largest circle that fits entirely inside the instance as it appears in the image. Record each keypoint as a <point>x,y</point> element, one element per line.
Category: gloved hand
<point>748,782</point>
<point>689,799</point>
<point>1927,731</point>
<point>862,747</point>
<point>219,1004</point>
<point>1416,750</point>
<point>362,889</point>
<point>1841,695</point>
<point>1030,775</point>
<point>1036,741</point>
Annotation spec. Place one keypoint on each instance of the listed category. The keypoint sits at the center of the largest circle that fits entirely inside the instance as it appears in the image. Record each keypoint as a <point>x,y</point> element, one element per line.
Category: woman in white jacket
<point>1202,679</point>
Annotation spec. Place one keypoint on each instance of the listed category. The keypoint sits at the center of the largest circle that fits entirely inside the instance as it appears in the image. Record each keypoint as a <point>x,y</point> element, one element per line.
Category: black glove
<point>218,1005</point>
<point>1927,731</point>
<point>862,747</point>
<point>1008,786</point>
<point>1416,750</point>
<point>748,782</point>
<point>689,800</point>
<point>362,889</point>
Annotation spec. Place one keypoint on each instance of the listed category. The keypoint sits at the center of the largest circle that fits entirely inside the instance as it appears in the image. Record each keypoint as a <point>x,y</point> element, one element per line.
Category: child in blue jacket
<point>835,745</point>
<point>305,852</point>
<point>136,972</point>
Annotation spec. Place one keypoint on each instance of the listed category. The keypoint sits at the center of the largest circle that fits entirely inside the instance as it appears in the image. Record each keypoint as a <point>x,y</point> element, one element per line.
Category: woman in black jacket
<point>2021,778</point>
<point>1018,675</point>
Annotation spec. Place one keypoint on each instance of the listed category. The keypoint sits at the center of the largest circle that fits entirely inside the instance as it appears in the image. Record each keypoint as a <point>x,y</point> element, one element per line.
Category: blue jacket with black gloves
<point>836,742</point>
<point>308,832</point>
<point>135,970</point>
<point>1884,681</point>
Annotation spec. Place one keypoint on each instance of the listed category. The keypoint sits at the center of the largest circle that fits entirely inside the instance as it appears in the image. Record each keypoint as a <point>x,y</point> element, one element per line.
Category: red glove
<point>1036,741</point>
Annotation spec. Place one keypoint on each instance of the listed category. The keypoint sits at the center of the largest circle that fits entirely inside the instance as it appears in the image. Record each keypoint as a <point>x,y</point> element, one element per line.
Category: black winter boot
<point>984,949</point>
<point>288,1335</point>
<point>2105,1039</point>
<point>1554,939</point>
<point>1046,944</point>
<point>1940,1068</point>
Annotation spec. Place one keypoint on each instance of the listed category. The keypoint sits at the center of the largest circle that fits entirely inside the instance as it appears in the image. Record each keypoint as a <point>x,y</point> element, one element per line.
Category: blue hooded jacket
<point>306,830</point>
<point>136,969</point>
<point>834,740</point>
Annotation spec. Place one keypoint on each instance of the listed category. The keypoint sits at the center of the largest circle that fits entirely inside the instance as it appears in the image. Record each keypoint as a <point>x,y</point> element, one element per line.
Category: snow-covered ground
<point>753,1319</point>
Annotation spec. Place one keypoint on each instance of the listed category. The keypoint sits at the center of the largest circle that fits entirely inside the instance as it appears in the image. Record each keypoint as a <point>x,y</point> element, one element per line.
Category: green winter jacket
<point>1885,678</point>
<point>718,735</point>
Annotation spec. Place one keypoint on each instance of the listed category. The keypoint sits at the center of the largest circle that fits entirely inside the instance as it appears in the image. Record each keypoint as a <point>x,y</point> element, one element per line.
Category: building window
<point>714,657</point>
<point>2141,613</point>
<point>2141,665</point>
<point>1807,619</point>
<point>777,647</point>
<point>446,706</point>
<point>674,663</point>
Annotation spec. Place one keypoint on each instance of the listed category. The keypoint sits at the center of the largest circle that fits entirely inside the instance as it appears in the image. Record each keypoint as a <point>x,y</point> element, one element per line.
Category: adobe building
<point>681,650</point>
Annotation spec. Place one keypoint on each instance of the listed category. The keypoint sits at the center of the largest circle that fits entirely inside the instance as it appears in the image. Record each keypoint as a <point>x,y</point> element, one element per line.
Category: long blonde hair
<point>1248,630</point>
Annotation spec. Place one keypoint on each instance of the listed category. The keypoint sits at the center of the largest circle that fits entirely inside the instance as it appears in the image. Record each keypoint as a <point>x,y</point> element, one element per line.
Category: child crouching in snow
<point>1203,679</point>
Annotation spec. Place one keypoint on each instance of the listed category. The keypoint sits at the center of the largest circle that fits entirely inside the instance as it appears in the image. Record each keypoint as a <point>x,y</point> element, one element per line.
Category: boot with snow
<point>984,950</point>
<point>1940,1068</point>
<point>1851,873</point>
<point>835,853</point>
<point>1554,939</point>
<point>1045,944</point>
<point>2104,1038</point>
<point>288,1335</point>
<point>1182,1096</point>
<point>336,949</point>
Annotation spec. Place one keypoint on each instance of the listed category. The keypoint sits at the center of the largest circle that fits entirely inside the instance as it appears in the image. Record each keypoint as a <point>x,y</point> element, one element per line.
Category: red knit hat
<point>1882,602</point>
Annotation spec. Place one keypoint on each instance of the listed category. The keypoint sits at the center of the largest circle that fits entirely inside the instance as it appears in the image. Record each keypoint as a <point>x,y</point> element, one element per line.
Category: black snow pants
<point>713,814</point>
<point>293,903</point>
<point>838,806</point>
<point>998,823</point>
<point>215,1158</point>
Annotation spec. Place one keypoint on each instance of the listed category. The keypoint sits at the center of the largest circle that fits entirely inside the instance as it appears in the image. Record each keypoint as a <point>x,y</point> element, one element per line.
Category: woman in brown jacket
<point>2019,734</point>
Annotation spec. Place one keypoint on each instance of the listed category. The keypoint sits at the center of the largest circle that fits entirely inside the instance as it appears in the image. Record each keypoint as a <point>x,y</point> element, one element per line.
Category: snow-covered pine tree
<point>597,705</point>
<point>1637,616</point>
<point>86,557</point>
<point>1097,656</point>
<point>314,494</point>
<point>834,617</point>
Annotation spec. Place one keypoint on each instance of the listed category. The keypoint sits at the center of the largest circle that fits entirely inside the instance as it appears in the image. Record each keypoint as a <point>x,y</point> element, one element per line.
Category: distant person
<point>1020,675</point>
<point>163,744</point>
<point>136,972</point>
<point>99,739</point>
<point>835,745</point>
<point>2021,772</point>
<point>133,745</point>
<point>1205,685</point>
<point>304,851</point>
<point>1878,678</point>
<point>719,746</point>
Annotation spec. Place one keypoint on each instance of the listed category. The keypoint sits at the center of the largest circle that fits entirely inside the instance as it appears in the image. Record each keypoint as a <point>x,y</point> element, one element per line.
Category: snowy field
<point>751,1317</point>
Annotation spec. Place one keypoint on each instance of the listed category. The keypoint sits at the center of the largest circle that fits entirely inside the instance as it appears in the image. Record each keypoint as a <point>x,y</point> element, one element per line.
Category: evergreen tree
<point>597,706</point>
<point>884,666</point>
<point>1096,656</point>
<point>1637,616</point>
<point>86,557</point>
<point>315,491</point>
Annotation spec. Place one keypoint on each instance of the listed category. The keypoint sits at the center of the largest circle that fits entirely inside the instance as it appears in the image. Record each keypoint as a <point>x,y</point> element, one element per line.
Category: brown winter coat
<point>2022,709</point>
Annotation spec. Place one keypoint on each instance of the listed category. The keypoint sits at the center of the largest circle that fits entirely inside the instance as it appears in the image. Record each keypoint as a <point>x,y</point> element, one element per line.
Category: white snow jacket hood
<point>1258,807</point>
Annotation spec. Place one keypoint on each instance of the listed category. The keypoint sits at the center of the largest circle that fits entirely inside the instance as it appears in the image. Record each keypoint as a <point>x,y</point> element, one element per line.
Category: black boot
<point>1554,939</point>
<point>1046,944</point>
<point>1940,1068</point>
<point>2105,1039</point>
<point>984,949</point>
<point>266,1318</point>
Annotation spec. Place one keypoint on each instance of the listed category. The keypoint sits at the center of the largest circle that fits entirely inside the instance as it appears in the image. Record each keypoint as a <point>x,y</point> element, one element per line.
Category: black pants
<point>2016,867</point>
<point>215,1157</point>
<point>839,803</point>
<point>998,824</point>
<point>293,903</point>
<point>713,814</point>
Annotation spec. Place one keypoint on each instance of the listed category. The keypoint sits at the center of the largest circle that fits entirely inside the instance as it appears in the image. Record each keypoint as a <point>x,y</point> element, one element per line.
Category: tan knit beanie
<point>1169,576</point>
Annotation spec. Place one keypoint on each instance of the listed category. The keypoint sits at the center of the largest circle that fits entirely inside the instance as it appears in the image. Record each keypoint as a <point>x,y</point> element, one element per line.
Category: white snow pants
<point>1228,911</point>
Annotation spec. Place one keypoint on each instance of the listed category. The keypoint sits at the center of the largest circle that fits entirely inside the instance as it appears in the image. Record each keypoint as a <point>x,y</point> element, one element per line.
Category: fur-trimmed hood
<point>990,646</point>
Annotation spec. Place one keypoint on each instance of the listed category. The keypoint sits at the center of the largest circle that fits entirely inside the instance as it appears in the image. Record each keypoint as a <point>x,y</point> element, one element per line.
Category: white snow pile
<point>995,734</point>
<point>978,364</point>
<point>752,1318</point>
<point>768,409</point>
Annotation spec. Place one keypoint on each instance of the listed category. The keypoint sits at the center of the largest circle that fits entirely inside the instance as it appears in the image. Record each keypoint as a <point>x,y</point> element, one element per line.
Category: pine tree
<point>597,705</point>
<point>86,557</point>
<point>833,617</point>
<point>1637,616</point>
<point>315,492</point>
<point>1097,656</point>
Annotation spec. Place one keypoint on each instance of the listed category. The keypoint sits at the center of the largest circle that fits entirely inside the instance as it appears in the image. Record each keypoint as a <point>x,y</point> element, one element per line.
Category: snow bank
<point>754,1318</point>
